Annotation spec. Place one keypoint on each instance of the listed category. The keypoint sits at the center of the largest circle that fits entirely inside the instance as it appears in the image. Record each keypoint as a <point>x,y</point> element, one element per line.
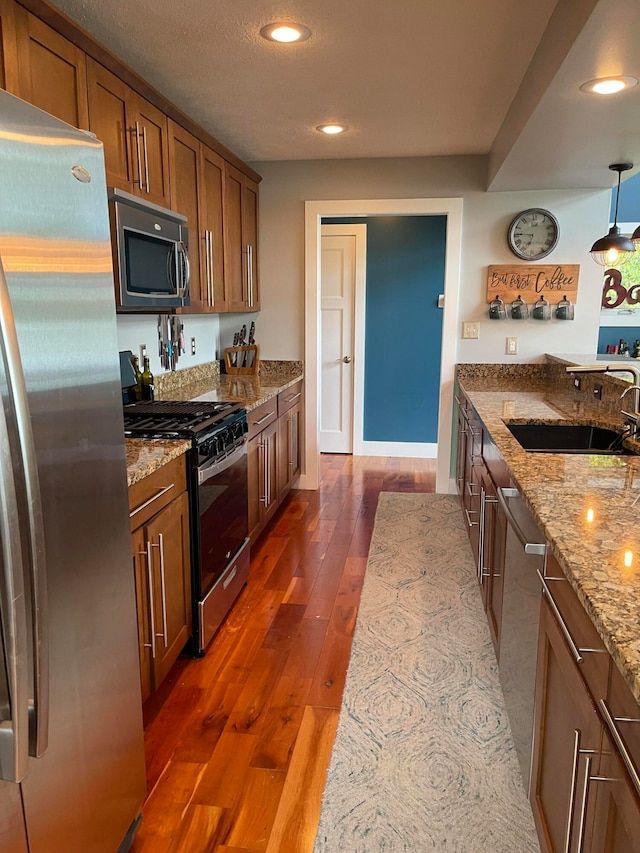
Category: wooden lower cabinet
<point>288,449</point>
<point>567,736</point>
<point>161,558</point>
<point>262,466</point>
<point>614,809</point>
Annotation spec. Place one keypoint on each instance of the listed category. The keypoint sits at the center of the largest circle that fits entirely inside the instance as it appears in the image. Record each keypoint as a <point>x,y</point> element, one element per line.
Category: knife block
<point>246,358</point>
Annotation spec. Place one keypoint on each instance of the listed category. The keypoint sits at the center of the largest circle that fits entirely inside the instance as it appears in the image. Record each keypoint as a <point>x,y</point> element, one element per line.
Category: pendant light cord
<point>615,218</point>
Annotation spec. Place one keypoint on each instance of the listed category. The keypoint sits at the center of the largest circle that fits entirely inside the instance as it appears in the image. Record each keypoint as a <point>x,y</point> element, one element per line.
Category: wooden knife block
<point>243,354</point>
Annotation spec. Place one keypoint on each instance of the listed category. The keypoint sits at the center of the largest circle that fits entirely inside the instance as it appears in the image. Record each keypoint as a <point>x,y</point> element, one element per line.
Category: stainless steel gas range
<point>218,500</point>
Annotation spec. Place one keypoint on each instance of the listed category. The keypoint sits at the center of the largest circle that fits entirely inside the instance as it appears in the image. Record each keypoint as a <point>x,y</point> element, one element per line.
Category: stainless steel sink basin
<point>568,438</point>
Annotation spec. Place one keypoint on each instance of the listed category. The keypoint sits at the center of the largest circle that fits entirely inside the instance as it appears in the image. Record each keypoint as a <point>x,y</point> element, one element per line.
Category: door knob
<point>347,359</point>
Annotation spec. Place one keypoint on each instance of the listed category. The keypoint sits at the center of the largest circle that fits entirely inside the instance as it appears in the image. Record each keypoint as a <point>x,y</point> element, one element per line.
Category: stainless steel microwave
<point>150,254</point>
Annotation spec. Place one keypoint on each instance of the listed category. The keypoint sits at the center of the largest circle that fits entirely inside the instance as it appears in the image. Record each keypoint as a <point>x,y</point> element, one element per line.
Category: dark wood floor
<point>238,743</point>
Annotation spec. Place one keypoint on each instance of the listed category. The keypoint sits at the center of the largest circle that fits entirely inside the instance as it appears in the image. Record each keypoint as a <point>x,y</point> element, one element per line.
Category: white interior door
<point>338,289</point>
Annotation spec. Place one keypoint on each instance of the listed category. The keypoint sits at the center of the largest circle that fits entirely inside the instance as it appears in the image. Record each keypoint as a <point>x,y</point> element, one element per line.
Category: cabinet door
<point>255,477</point>
<point>52,71</point>
<point>234,268</point>
<point>142,603</point>
<point>567,737</point>
<point>211,218</point>
<point>250,241</point>
<point>615,809</point>
<point>241,241</point>
<point>167,535</point>
<point>184,158</point>
<point>284,469</point>
<point>8,49</point>
<point>295,439</point>
<point>150,141</point>
<point>109,101</point>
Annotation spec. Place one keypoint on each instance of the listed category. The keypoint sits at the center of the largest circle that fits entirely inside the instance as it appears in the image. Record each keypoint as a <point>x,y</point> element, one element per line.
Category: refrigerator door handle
<point>14,708</point>
<point>17,391</point>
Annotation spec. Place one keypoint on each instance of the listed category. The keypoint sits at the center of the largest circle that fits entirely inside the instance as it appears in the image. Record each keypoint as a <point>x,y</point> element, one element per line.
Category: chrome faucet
<point>617,368</point>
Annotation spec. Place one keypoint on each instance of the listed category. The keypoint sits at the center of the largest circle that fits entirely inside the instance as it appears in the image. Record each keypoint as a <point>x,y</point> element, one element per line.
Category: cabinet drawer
<point>150,495</point>
<point>262,416</point>
<point>289,397</point>
<point>595,663</point>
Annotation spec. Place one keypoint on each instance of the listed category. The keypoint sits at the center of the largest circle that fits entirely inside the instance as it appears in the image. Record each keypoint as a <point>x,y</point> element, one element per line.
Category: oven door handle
<point>222,464</point>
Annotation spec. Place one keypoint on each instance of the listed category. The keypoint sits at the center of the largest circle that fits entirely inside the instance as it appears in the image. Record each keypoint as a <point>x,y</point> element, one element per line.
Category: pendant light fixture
<point>615,249</point>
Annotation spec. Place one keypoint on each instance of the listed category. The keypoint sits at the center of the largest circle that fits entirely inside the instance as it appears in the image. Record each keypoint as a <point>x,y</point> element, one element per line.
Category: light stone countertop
<point>144,456</point>
<point>560,489</point>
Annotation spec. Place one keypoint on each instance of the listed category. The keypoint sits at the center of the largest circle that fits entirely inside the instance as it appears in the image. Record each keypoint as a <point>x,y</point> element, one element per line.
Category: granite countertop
<point>587,506</point>
<point>206,383</point>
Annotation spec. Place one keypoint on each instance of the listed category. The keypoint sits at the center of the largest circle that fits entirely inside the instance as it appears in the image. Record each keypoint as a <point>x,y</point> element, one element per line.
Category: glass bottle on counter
<point>137,388</point>
<point>147,381</point>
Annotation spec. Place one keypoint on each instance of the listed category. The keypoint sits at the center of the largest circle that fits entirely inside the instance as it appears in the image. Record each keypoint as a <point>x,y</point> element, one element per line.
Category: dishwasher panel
<point>525,555</point>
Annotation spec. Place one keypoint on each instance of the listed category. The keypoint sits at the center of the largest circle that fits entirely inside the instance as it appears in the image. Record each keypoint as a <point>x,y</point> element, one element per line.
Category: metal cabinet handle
<point>250,274</point>
<point>138,155</point>
<point>471,486</point>
<point>293,397</point>
<point>582,820</point>
<point>611,721</point>
<point>468,514</point>
<point>539,548</point>
<point>206,266</point>
<point>163,590</point>
<point>212,293</point>
<point>263,418</point>
<point>146,157</point>
<point>155,497</point>
<point>151,603</point>
<point>262,447</point>
<point>575,651</point>
<point>572,789</point>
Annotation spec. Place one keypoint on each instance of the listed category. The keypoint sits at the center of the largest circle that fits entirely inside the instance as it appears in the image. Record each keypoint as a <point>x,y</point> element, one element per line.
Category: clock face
<point>533,234</point>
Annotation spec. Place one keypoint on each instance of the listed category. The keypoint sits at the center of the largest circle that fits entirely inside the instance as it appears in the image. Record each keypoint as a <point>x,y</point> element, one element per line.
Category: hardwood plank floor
<point>238,742</point>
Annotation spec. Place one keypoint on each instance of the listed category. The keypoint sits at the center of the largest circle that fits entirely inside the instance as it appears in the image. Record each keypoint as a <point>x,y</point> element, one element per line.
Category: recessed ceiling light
<point>609,85</point>
<point>285,32</point>
<point>331,129</point>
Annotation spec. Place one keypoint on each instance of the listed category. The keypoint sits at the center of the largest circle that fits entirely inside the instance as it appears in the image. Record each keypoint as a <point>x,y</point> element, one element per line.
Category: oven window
<point>148,259</point>
<point>224,524</point>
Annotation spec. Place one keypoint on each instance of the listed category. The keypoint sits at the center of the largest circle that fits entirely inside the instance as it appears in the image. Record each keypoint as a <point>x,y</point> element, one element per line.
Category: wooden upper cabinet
<point>52,71</point>
<point>8,49</point>
<point>241,241</point>
<point>150,140</point>
<point>197,182</point>
<point>211,218</point>
<point>184,158</point>
<point>109,106</point>
<point>134,134</point>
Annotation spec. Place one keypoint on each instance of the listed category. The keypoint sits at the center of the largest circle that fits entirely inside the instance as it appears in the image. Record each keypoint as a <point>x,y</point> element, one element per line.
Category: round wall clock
<point>533,234</point>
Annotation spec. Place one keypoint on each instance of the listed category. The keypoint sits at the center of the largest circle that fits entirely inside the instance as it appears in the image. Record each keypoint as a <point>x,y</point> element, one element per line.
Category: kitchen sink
<point>568,438</point>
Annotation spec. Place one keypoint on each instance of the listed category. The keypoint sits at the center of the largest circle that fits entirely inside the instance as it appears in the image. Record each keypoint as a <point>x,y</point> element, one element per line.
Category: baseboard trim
<point>406,449</point>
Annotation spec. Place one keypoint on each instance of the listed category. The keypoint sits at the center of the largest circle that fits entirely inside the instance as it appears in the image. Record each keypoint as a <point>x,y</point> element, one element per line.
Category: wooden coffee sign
<point>553,281</point>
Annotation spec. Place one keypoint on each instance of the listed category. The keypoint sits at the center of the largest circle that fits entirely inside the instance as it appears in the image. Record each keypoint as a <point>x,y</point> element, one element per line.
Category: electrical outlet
<point>193,346</point>
<point>512,346</point>
<point>577,382</point>
<point>471,331</point>
<point>597,391</point>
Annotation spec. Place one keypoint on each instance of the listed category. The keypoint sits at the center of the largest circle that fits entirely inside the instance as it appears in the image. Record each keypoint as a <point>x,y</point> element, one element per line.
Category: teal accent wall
<point>403,326</point>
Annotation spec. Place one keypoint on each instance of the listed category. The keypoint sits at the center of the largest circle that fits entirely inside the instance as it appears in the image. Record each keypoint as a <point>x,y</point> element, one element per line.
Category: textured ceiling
<point>410,78</point>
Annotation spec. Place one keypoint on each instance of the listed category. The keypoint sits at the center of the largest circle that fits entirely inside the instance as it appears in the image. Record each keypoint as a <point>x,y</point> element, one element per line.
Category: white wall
<point>137,329</point>
<point>583,216</point>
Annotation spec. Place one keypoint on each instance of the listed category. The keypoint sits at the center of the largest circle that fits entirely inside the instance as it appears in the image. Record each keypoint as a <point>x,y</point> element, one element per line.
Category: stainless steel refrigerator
<point>72,776</point>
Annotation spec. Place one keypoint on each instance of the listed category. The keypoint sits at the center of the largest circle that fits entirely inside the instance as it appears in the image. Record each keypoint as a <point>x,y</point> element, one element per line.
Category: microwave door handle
<point>172,264</point>
<point>185,270</point>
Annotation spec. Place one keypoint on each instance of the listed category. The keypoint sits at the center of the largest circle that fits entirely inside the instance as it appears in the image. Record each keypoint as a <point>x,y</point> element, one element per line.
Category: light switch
<point>471,331</point>
<point>512,346</point>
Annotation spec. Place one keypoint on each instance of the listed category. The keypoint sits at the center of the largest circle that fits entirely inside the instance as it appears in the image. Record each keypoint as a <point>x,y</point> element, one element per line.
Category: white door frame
<point>359,302</point>
<point>315,211</point>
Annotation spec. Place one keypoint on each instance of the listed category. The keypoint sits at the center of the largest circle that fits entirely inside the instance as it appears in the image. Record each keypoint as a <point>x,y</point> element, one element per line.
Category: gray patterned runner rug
<point>423,758</point>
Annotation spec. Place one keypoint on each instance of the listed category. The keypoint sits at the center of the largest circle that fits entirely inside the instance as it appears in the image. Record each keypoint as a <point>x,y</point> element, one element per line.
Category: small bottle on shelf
<point>147,381</point>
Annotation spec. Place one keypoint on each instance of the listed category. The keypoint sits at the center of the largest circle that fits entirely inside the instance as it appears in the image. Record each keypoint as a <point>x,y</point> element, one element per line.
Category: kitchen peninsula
<point>584,780</point>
